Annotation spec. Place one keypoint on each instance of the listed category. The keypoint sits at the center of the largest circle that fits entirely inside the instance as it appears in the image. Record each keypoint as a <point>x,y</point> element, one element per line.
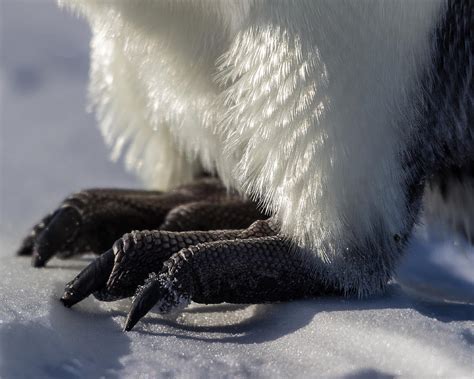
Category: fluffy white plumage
<point>303,106</point>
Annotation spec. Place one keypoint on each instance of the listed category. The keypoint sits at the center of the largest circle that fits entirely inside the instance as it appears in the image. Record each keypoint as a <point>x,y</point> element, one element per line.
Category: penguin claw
<point>57,235</point>
<point>91,279</point>
<point>147,297</point>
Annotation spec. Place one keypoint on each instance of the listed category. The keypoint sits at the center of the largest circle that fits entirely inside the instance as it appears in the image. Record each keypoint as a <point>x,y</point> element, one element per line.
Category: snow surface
<point>423,327</point>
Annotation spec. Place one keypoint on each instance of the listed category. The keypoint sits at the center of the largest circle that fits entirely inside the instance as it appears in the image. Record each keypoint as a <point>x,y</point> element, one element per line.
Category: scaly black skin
<point>237,266</point>
<point>92,220</point>
<point>177,260</point>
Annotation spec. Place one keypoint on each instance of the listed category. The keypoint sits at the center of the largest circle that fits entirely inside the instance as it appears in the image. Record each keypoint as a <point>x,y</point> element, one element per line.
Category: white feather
<point>302,106</point>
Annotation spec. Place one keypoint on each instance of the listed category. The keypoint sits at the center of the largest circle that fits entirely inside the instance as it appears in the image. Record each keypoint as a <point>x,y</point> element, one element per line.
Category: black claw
<point>60,232</point>
<point>37,261</point>
<point>26,247</point>
<point>91,279</point>
<point>146,299</point>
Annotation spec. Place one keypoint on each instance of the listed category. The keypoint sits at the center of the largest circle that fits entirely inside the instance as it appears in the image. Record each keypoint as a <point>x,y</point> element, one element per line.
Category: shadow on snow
<point>67,345</point>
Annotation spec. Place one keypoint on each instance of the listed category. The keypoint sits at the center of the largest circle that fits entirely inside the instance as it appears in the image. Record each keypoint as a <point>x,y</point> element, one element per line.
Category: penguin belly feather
<point>306,107</point>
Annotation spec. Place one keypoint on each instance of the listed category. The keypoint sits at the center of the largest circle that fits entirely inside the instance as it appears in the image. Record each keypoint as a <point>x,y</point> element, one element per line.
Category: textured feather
<point>304,106</point>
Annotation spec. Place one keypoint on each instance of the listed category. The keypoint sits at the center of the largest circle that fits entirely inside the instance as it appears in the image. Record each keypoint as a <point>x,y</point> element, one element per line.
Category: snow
<point>423,327</point>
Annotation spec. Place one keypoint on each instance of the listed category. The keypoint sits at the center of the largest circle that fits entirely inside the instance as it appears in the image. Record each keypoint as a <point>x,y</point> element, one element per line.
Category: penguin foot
<point>167,270</point>
<point>91,220</point>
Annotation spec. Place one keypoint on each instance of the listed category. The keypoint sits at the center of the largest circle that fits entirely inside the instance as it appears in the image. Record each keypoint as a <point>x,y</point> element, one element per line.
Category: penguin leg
<point>227,213</point>
<point>252,265</point>
<point>91,220</point>
<point>252,271</point>
<point>117,273</point>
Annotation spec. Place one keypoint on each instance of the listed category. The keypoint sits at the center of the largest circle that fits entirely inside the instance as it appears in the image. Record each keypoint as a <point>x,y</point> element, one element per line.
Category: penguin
<point>287,147</point>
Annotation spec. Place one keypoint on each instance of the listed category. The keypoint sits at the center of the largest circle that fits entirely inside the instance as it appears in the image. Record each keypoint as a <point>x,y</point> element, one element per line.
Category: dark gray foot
<point>254,270</point>
<point>91,220</point>
<point>170,269</point>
